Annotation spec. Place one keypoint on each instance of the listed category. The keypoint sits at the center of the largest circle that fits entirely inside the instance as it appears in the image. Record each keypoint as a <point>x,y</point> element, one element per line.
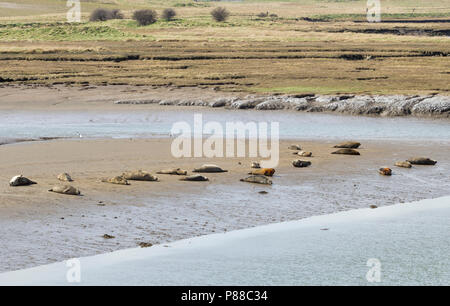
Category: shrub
<point>102,14</point>
<point>168,14</point>
<point>145,17</point>
<point>263,15</point>
<point>220,14</point>
<point>116,14</point>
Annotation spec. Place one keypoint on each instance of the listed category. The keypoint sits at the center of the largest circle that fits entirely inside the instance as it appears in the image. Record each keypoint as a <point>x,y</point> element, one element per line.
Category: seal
<point>264,171</point>
<point>65,189</point>
<point>304,154</point>
<point>255,165</point>
<point>65,177</point>
<point>403,164</point>
<point>20,180</point>
<point>257,179</point>
<point>346,152</point>
<point>385,171</point>
<point>118,180</point>
<point>295,147</point>
<point>209,169</point>
<point>348,145</point>
<point>139,176</point>
<point>195,178</point>
<point>176,171</point>
<point>422,161</point>
<point>301,163</point>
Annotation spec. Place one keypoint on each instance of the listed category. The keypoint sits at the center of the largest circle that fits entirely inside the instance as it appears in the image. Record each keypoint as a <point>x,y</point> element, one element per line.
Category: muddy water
<point>156,123</point>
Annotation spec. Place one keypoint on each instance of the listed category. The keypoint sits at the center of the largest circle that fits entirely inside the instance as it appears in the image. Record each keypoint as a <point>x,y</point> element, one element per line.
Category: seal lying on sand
<point>177,171</point>
<point>257,179</point>
<point>301,163</point>
<point>195,178</point>
<point>256,165</point>
<point>65,177</point>
<point>304,154</point>
<point>65,189</point>
<point>385,171</point>
<point>139,176</point>
<point>20,180</point>
<point>348,145</point>
<point>403,164</point>
<point>295,147</point>
<point>422,161</point>
<point>265,172</point>
<point>346,152</point>
<point>209,169</point>
<point>118,180</point>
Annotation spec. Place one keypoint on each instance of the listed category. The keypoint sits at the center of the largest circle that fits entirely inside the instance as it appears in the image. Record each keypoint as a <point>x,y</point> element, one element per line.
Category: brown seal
<point>118,180</point>
<point>195,178</point>
<point>403,164</point>
<point>346,152</point>
<point>65,177</point>
<point>176,171</point>
<point>385,171</point>
<point>139,176</point>
<point>348,145</point>
<point>264,171</point>
<point>65,189</point>
<point>209,169</point>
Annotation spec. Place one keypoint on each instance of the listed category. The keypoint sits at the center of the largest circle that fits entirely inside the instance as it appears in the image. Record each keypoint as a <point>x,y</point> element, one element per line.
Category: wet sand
<point>38,227</point>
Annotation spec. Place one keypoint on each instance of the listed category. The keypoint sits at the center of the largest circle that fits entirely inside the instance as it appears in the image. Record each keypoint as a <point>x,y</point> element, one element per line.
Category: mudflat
<point>40,227</point>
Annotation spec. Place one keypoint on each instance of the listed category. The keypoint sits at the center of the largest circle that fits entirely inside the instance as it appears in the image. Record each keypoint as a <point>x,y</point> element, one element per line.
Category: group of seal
<point>258,175</point>
<point>20,180</point>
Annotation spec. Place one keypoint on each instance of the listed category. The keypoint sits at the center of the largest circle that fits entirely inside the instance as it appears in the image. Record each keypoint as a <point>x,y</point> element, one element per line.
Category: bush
<point>102,14</point>
<point>116,14</point>
<point>168,14</point>
<point>220,14</point>
<point>263,15</point>
<point>145,17</point>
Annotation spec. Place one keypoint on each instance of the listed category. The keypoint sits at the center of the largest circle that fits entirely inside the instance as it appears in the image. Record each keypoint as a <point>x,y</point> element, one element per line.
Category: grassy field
<point>313,46</point>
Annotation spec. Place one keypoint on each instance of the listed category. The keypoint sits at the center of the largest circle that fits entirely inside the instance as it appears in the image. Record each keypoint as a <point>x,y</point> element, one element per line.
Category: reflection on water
<point>157,123</point>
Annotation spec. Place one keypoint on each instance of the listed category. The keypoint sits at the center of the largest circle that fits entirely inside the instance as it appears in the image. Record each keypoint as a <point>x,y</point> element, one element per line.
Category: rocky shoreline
<point>369,105</point>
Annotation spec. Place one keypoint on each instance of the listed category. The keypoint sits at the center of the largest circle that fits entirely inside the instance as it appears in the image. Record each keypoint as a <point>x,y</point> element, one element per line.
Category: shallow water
<point>158,123</point>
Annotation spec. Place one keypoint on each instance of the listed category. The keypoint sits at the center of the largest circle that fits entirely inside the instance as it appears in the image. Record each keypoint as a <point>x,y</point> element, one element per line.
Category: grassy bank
<point>316,46</point>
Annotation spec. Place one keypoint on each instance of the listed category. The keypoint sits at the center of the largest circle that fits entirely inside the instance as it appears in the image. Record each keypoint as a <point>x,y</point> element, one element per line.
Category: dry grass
<point>283,54</point>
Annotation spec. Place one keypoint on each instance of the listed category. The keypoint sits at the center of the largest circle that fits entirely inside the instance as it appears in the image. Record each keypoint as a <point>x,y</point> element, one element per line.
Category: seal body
<point>177,171</point>
<point>255,165</point>
<point>264,171</point>
<point>139,176</point>
<point>65,177</point>
<point>195,178</point>
<point>422,161</point>
<point>346,152</point>
<point>257,179</point>
<point>118,180</point>
<point>385,171</point>
<point>20,180</point>
<point>209,169</point>
<point>403,164</point>
<point>295,147</point>
<point>348,145</point>
<point>301,163</point>
<point>65,189</point>
<point>305,154</point>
